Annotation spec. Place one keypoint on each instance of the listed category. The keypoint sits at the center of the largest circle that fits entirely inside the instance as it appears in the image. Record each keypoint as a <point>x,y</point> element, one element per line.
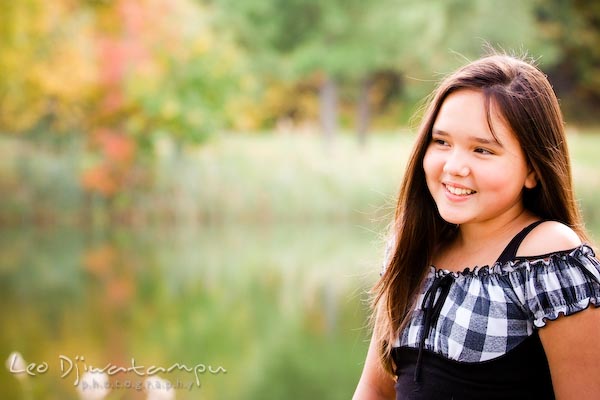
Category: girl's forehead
<point>466,111</point>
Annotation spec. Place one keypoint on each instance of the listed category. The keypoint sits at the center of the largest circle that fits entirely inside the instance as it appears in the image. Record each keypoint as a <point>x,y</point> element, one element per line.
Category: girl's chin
<point>454,219</point>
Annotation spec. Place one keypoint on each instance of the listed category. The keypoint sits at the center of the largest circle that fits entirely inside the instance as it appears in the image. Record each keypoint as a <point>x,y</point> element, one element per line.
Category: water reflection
<point>280,308</point>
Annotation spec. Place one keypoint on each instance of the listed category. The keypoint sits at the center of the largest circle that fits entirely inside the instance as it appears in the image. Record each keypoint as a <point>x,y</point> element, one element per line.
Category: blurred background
<point>209,182</point>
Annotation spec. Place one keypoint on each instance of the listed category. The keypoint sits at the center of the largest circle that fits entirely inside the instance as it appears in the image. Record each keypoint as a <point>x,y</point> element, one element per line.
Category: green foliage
<point>350,40</point>
<point>74,67</point>
<point>188,101</point>
<point>574,27</point>
<point>189,68</point>
<point>465,26</point>
<point>46,72</point>
<point>341,38</point>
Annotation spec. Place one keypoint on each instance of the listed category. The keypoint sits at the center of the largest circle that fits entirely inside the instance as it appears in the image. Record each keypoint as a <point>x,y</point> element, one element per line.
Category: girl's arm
<point>375,383</point>
<point>572,345</point>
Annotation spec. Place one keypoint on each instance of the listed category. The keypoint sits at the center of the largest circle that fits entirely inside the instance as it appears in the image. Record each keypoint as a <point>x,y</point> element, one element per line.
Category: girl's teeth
<point>459,191</point>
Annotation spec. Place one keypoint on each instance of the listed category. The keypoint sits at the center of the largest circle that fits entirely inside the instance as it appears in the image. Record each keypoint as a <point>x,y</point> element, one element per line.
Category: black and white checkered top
<point>482,313</point>
<point>473,334</point>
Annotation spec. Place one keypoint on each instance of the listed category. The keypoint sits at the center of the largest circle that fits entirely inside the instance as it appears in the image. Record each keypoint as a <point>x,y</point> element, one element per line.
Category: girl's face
<point>472,176</point>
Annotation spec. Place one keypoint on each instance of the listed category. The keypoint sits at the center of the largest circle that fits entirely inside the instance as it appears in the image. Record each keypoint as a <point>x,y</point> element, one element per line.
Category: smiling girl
<point>489,288</point>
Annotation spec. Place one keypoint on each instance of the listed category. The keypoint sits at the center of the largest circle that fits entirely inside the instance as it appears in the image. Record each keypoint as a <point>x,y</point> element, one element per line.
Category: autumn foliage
<point>116,73</point>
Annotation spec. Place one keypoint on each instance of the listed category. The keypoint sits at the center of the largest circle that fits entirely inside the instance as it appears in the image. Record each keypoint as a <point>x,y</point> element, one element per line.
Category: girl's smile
<point>472,173</point>
<point>458,190</point>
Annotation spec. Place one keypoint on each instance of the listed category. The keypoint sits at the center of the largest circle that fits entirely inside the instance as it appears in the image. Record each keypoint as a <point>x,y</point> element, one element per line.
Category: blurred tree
<point>161,77</point>
<point>113,76</point>
<point>353,43</point>
<point>466,26</point>
<point>447,33</point>
<point>46,68</point>
<point>157,79</point>
<point>146,66</point>
<point>331,41</point>
<point>574,26</point>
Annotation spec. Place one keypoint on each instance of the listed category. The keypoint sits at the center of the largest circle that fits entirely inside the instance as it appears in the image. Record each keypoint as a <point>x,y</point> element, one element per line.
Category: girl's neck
<point>481,243</point>
<point>477,234</point>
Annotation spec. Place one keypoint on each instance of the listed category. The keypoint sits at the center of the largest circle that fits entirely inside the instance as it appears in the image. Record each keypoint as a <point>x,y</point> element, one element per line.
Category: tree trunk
<point>328,109</point>
<point>363,111</point>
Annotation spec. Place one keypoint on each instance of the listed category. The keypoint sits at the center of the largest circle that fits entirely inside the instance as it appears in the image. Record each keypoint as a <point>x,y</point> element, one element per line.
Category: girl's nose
<point>455,165</point>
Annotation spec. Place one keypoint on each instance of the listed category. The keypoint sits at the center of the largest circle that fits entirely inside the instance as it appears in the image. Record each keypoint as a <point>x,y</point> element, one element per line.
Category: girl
<point>488,282</point>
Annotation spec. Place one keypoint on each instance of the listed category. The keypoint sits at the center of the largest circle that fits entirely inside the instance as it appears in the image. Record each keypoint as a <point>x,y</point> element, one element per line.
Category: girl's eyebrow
<point>477,139</point>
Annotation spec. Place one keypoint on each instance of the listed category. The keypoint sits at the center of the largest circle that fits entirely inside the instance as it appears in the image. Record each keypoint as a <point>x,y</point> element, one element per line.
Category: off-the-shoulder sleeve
<point>562,284</point>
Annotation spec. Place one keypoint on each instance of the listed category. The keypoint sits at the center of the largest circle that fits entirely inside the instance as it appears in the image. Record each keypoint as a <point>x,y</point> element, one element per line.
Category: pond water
<point>234,312</point>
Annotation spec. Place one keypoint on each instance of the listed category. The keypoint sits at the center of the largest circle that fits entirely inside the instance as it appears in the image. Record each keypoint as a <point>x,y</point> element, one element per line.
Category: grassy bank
<point>258,178</point>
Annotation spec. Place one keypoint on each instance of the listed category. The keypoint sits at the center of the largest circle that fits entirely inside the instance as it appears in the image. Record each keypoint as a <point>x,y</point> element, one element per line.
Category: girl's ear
<point>531,179</point>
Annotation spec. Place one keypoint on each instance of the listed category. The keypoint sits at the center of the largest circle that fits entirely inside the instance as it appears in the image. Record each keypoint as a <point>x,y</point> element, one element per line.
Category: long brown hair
<point>525,100</point>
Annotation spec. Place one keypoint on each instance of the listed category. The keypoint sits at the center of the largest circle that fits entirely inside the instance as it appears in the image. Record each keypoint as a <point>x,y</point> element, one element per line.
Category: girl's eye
<point>440,142</point>
<point>481,150</point>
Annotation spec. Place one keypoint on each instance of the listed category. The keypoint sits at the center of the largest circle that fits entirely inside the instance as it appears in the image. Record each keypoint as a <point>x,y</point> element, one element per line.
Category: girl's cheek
<point>433,163</point>
<point>427,158</point>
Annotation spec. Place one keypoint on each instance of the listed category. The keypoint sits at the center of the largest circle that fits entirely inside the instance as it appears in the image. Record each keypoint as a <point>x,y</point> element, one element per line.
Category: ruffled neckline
<point>502,268</point>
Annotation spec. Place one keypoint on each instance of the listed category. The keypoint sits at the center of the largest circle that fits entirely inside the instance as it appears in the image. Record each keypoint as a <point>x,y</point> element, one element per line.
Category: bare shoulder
<point>548,237</point>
